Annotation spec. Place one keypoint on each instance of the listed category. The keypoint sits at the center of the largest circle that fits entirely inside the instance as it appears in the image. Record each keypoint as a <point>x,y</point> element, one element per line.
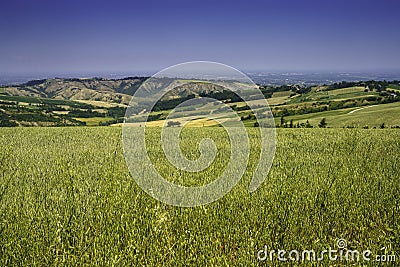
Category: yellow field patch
<point>342,91</point>
<point>277,100</point>
<point>280,94</point>
<point>204,122</point>
<point>100,103</point>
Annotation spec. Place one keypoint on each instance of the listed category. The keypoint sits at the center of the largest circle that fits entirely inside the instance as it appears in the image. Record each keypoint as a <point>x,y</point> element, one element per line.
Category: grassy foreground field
<point>67,198</point>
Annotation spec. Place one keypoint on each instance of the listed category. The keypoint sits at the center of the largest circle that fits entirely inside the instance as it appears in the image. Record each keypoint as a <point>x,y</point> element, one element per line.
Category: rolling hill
<point>93,89</point>
<point>100,101</point>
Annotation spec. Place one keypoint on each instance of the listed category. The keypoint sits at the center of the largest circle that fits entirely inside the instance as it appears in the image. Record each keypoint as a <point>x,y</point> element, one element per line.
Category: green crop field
<point>337,94</point>
<point>94,121</point>
<point>67,198</point>
<point>371,116</point>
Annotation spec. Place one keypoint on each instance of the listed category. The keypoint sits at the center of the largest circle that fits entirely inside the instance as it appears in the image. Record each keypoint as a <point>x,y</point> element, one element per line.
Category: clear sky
<point>128,36</point>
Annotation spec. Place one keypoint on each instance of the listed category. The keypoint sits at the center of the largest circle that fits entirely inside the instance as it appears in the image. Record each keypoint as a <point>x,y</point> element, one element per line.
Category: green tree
<point>322,123</point>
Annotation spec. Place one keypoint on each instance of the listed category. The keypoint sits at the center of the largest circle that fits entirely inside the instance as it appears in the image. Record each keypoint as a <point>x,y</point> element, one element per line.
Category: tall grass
<point>67,198</point>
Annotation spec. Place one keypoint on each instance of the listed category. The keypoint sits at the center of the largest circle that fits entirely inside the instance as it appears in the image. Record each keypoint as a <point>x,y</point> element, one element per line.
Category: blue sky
<point>127,36</point>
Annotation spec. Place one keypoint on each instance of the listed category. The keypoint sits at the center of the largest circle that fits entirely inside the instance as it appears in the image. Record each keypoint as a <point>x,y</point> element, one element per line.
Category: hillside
<point>93,89</point>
